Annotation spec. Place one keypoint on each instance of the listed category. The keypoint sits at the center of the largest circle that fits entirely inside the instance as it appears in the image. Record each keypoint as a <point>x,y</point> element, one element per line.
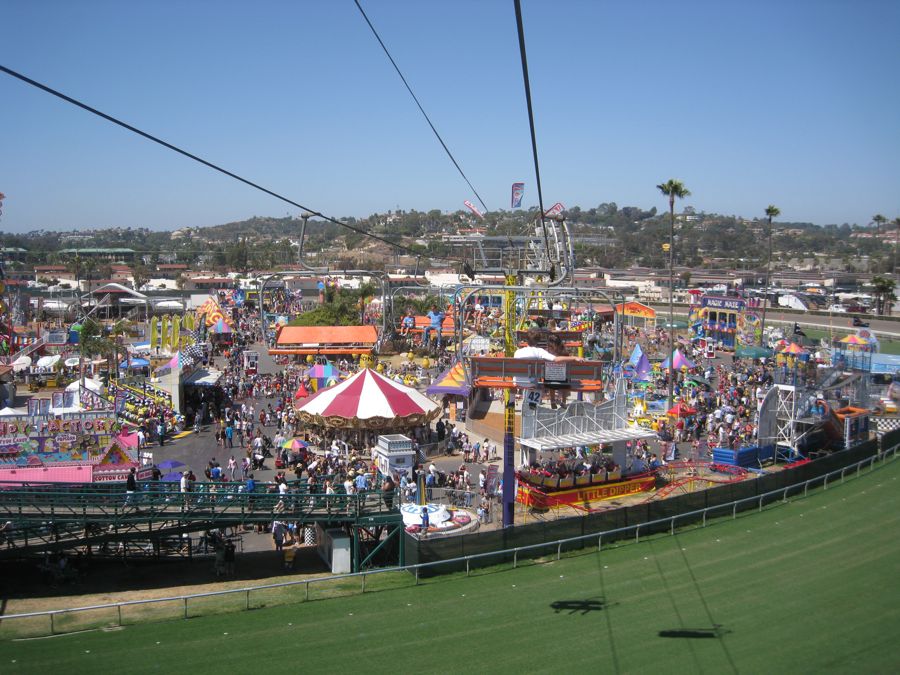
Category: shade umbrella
<point>170,464</point>
<point>681,410</point>
<point>294,444</point>
<point>302,391</point>
<point>753,352</point>
<point>854,340</point>
<point>794,348</point>
<point>173,477</point>
<point>70,362</point>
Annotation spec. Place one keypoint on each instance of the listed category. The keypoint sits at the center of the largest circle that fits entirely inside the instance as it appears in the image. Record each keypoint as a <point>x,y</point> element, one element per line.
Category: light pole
<point>771,212</point>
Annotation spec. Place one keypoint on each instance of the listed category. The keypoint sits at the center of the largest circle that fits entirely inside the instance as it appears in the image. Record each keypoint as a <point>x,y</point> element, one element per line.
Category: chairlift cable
<point>537,169</point>
<point>421,109</point>
<point>209,164</point>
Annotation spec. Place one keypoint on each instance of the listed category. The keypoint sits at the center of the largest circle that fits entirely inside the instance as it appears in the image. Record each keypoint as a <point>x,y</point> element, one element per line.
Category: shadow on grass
<point>716,631</point>
<point>582,607</point>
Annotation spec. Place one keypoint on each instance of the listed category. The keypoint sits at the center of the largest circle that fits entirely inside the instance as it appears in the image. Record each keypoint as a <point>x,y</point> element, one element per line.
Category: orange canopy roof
<point>315,336</point>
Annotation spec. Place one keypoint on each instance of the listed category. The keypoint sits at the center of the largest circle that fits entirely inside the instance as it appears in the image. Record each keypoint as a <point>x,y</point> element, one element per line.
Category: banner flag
<point>518,190</point>
<point>474,210</point>
<point>555,210</point>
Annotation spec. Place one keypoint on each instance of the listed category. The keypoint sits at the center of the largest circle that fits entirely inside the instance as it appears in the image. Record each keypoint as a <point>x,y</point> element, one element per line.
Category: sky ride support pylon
<point>509,408</point>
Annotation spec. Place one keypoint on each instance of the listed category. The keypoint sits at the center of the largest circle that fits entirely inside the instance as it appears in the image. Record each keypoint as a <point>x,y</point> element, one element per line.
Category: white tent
<point>9,412</point>
<point>21,363</point>
<point>48,361</point>
<point>93,385</point>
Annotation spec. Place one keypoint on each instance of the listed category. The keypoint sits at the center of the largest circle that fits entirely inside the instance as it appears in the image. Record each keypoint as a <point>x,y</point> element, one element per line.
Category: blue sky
<point>792,103</point>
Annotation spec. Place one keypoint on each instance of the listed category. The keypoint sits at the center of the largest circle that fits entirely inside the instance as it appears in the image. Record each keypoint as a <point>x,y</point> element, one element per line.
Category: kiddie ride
<point>548,475</point>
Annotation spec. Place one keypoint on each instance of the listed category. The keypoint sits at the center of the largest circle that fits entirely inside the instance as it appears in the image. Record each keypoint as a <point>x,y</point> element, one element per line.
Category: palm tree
<point>672,189</point>
<point>883,290</point>
<point>896,223</point>
<point>879,220</point>
<point>771,212</point>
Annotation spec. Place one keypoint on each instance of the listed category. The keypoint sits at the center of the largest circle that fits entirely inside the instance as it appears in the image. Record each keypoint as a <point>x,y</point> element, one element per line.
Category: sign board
<point>636,309</point>
<point>490,480</point>
<point>57,337</point>
<point>715,302</point>
<point>533,396</point>
<point>555,371</point>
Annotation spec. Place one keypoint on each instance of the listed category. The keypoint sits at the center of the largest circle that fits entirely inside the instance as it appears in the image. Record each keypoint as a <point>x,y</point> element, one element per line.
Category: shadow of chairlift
<point>583,606</point>
<point>717,631</point>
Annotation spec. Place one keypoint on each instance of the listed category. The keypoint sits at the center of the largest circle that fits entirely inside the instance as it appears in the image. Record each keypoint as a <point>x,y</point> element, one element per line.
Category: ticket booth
<point>251,362</point>
<point>394,454</point>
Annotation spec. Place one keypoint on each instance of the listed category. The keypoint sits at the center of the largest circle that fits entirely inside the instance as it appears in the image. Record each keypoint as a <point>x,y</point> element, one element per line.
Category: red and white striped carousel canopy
<point>369,397</point>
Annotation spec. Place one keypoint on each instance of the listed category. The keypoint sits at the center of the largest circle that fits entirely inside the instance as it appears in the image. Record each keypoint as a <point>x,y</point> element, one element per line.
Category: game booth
<point>725,322</point>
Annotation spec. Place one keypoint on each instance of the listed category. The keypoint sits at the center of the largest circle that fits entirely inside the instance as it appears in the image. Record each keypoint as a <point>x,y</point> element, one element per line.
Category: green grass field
<point>887,344</point>
<point>809,586</point>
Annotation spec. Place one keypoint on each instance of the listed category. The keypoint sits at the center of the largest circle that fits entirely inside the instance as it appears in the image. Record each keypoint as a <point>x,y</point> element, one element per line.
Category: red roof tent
<point>325,340</point>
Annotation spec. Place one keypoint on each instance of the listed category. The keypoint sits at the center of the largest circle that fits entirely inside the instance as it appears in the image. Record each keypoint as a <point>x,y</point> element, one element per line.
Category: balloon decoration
<point>176,333</point>
<point>165,334</point>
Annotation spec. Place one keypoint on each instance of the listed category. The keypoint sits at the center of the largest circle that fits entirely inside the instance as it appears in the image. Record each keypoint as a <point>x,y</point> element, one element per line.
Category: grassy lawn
<point>888,346</point>
<point>808,586</point>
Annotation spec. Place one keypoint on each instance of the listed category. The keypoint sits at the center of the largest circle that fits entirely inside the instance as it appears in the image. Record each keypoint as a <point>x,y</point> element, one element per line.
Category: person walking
<point>130,486</point>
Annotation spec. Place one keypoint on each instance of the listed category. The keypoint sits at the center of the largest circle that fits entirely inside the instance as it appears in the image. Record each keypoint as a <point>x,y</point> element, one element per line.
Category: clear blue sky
<point>788,102</point>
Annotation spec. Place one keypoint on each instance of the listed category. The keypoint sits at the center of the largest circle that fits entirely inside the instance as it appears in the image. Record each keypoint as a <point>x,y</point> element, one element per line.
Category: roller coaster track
<point>664,492</point>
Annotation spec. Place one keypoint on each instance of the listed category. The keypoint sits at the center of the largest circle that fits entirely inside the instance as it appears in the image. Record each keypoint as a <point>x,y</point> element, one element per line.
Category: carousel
<point>369,401</point>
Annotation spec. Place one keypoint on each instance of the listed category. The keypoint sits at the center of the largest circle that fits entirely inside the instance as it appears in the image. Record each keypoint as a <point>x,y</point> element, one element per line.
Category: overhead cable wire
<point>421,109</point>
<point>209,164</point>
<point>534,153</point>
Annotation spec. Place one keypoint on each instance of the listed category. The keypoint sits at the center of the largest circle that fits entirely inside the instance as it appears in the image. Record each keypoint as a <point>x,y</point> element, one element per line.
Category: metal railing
<point>52,618</point>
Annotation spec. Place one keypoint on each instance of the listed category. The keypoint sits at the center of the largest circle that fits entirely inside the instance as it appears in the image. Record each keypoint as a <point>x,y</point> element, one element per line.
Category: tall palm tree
<point>771,212</point>
<point>673,189</point>
<point>879,220</point>
<point>896,223</point>
<point>883,290</point>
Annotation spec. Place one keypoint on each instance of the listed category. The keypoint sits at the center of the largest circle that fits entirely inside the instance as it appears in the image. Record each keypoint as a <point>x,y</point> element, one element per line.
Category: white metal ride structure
<point>784,419</point>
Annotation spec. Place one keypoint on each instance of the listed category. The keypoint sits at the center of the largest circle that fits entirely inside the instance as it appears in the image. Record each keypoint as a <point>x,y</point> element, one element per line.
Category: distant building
<point>99,253</point>
<point>53,272</point>
<point>171,270</point>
